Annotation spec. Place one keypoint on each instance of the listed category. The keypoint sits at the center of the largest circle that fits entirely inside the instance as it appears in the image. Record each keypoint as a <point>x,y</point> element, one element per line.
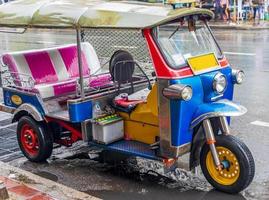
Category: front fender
<point>27,109</point>
<point>219,108</point>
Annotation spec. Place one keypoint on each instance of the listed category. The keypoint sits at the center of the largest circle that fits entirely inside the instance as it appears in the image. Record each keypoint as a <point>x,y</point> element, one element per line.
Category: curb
<point>3,191</point>
<point>43,185</point>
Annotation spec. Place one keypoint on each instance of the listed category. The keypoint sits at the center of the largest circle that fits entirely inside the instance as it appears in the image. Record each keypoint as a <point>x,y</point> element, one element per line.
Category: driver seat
<point>142,123</point>
<point>140,115</point>
<point>121,68</point>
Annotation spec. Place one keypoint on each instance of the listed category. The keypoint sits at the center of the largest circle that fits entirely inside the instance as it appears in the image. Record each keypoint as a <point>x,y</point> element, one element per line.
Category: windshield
<point>181,40</point>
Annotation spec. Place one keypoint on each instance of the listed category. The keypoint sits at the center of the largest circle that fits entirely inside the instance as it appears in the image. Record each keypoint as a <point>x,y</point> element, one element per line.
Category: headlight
<point>238,76</point>
<point>186,93</point>
<point>178,91</point>
<point>219,83</point>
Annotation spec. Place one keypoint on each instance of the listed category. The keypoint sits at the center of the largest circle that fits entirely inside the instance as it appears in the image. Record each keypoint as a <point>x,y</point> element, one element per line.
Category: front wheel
<point>238,167</point>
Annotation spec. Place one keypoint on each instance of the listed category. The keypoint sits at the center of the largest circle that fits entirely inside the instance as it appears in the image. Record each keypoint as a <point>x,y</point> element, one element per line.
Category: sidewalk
<point>22,185</point>
<point>18,190</point>
<point>263,25</point>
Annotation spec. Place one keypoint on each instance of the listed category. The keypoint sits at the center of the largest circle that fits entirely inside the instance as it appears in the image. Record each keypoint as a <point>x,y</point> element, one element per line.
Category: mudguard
<point>29,110</point>
<point>219,108</point>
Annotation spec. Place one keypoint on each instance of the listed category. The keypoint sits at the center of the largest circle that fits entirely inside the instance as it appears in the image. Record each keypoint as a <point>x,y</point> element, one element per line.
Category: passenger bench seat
<point>55,70</point>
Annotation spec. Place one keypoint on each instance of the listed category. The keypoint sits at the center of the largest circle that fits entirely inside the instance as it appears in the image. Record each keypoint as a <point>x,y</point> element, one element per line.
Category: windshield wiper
<point>172,34</point>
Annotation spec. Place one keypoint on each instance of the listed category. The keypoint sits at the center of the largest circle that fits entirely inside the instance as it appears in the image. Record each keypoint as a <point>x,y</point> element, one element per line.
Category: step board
<point>130,147</point>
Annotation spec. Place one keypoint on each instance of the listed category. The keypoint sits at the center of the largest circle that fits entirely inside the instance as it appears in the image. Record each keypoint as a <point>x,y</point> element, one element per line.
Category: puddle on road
<point>134,179</point>
<point>179,178</point>
<point>145,175</point>
<point>139,170</point>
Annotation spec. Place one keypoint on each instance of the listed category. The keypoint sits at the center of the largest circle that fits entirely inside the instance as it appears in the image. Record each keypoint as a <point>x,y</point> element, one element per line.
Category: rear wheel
<point>238,166</point>
<point>35,141</point>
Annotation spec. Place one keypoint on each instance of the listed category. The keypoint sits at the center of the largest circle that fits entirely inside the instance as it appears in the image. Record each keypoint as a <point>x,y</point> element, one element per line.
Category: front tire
<point>238,163</point>
<point>34,139</point>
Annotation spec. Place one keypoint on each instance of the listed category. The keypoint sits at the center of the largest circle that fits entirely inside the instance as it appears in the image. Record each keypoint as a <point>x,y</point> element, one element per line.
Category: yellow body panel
<point>140,132</point>
<point>124,115</point>
<point>143,124</point>
<point>147,112</point>
<point>202,63</point>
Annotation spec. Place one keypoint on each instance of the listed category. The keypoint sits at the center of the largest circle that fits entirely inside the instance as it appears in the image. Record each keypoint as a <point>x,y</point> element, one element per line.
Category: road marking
<point>7,126</point>
<point>240,53</point>
<point>260,123</point>
<point>9,155</point>
<point>46,42</point>
<point>4,117</point>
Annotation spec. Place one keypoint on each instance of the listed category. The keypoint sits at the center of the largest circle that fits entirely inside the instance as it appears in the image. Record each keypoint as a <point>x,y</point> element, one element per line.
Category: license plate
<point>203,63</point>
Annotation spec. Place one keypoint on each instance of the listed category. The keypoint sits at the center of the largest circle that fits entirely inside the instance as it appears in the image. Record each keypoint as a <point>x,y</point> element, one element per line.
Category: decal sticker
<point>16,100</point>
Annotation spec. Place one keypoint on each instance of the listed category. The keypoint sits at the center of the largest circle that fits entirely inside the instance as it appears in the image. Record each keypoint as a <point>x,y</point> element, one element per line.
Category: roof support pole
<point>81,81</point>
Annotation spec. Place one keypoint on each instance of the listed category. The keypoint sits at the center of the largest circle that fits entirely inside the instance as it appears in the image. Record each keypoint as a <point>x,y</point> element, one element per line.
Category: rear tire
<point>235,155</point>
<point>34,139</point>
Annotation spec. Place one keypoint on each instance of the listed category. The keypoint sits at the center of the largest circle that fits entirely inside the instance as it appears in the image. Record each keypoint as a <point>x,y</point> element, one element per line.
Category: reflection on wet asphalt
<point>121,182</point>
<point>248,50</point>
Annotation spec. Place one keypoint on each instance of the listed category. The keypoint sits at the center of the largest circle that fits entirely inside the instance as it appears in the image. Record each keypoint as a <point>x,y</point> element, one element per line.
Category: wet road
<point>248,50</point>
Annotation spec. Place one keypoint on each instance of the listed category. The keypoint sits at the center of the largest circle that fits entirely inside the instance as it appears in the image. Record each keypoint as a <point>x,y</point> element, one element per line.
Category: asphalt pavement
<point>247,50</point>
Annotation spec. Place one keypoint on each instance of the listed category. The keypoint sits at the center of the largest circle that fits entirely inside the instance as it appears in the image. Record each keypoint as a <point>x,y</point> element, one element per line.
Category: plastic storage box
<point>108,129</point>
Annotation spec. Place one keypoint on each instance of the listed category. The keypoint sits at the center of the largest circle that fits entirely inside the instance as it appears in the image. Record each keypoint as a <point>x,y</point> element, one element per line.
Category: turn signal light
<point>238,76</point>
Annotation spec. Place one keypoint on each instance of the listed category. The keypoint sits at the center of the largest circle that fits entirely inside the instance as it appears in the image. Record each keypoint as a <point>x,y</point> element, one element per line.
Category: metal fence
<point>107,41</point>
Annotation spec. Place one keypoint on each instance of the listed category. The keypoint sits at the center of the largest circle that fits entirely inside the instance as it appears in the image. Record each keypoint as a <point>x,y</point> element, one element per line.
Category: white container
<point>108,133</point>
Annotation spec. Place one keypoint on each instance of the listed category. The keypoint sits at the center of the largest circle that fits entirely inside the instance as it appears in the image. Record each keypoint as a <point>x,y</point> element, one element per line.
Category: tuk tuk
<point>142,80</point>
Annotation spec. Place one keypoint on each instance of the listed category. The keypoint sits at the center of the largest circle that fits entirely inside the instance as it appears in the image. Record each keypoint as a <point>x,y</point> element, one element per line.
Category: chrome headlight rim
<point>178,92</point>
<point>238,76</point>
<point>186,93</point>
<point>218,81</point>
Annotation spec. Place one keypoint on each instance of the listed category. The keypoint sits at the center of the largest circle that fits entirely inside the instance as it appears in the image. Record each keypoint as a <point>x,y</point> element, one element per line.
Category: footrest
<point>131,147</point>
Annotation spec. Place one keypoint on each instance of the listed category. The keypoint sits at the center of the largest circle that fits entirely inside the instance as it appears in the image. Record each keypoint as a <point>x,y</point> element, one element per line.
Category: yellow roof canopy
<point>89,14</point>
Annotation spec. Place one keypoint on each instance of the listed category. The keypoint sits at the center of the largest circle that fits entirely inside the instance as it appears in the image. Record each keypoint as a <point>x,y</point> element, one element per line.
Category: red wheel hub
<point>29,140</point>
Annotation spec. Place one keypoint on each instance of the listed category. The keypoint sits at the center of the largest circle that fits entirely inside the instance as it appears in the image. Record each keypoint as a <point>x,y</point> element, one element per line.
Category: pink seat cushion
<point>70,58</point>
<point>100,80</point>
<point>57,88</point>
<point>52,89</point>
<point>41,67</point>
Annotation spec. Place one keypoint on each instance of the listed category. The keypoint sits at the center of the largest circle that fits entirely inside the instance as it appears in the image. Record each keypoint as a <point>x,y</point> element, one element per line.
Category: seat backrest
<point>52,64</point>
<point>121,66</point>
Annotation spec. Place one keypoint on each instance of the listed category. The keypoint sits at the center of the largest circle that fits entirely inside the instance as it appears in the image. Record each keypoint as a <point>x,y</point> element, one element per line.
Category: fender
<point>213,111</point>
<point>27,109</point>
<point>219,108</point>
